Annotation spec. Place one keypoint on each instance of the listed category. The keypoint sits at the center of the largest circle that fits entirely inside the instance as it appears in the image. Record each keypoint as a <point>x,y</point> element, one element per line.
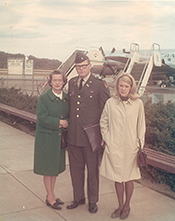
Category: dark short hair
<point>57,72</point>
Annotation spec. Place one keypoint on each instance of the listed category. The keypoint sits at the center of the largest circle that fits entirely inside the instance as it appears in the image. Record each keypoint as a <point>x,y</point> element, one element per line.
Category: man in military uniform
<point>88,95</point>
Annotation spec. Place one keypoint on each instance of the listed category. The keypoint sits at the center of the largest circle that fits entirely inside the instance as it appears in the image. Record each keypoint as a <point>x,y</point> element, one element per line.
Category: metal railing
<point>30,84</point>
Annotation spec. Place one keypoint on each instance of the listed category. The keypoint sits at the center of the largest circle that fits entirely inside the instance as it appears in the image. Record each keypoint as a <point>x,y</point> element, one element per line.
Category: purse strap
<point>140,145</point>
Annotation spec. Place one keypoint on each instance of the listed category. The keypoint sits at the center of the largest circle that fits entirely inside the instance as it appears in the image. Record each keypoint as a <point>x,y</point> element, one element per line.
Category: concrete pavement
<point>22,193</point>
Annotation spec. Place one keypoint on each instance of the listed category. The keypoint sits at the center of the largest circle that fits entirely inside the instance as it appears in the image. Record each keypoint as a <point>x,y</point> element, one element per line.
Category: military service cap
<point>80,57</point>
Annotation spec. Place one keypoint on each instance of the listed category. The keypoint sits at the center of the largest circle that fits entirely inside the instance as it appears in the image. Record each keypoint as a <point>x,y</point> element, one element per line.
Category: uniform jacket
<point>49,157</point>
<point>86,107</point>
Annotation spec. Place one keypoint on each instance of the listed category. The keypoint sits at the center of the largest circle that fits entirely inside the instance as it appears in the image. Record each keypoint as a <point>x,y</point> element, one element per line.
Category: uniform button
<point>90,96</point>
<point>78,115</point>
<point>61,116</point>
<point>78,102</point>
<point>78,109</point>
<point>79,96</point>
<point>59,134</point>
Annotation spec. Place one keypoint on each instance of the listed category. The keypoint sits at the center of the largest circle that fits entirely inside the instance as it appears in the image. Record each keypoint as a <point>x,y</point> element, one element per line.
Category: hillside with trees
<point>39,63</point>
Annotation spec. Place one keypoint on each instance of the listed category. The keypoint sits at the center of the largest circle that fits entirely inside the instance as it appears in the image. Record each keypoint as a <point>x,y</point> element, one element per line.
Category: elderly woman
<point>52,119</point>
<point>122,125</point>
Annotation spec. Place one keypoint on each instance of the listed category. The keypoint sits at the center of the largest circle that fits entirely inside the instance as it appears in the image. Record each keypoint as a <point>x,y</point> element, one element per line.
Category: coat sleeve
<point>104,124</point>
<point>104,95</point>
<point>43,117</point>
<point>141,127</point>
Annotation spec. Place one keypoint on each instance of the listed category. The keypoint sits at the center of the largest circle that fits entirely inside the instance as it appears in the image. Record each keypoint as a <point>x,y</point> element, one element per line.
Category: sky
<point>55,28</point>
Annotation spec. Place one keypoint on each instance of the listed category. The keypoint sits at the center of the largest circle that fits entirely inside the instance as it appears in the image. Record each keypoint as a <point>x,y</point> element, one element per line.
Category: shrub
<point>15,98</point>
<point>160,127</point>
<point>158,176</point>
<point>160,136</point>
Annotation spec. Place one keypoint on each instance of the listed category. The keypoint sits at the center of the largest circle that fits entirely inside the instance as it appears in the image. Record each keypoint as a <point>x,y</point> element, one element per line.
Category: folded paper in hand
<point>94,135</point>
<point>64,139</point>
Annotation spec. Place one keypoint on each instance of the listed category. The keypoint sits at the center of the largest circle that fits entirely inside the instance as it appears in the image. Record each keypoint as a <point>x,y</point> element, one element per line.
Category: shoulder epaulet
<point>100,78</point>
<point>73,79</point>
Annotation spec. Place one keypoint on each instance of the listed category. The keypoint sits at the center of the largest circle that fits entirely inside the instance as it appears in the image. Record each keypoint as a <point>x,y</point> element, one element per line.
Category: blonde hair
<point>129,80</point>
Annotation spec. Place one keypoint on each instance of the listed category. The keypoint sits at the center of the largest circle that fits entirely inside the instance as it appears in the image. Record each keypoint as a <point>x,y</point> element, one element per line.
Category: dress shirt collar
<point>85,79</point>
<point>58,95</point>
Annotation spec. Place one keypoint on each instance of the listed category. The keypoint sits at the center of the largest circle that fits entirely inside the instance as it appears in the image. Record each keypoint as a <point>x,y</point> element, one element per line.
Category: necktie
<point>81,84</point>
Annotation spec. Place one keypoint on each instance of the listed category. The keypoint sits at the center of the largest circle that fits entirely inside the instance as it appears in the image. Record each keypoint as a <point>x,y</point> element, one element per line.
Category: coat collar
<point>53,96</point>
<point>129,101</point>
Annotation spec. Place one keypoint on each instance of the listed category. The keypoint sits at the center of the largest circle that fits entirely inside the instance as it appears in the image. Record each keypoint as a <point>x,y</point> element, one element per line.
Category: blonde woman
<point>122,124</point>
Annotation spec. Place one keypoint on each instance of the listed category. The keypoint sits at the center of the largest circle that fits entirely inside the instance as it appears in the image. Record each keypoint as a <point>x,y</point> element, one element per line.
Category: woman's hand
<point>102,143</point>
<point>63,123</point>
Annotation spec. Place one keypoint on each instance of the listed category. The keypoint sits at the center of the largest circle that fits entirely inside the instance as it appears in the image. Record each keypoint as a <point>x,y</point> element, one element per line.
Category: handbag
<point>64,139</point>
<point>94,135</point>
<point>141,157</point>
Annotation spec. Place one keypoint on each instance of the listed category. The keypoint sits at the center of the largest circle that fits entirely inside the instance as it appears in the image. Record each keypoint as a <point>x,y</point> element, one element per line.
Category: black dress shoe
<point>93,207</point>
<point>59,201</point>
<point>75,204</point>
<point>54,206</point>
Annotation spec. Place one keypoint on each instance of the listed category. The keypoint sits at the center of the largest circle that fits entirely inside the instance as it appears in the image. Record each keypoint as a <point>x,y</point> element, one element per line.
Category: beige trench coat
<point>122,124</point>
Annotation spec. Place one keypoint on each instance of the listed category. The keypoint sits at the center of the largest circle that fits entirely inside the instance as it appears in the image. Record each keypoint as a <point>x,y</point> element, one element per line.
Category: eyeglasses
<point>84,66</point>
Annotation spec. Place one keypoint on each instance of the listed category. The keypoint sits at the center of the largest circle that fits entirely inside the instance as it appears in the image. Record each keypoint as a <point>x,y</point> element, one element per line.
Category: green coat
<point>49,158</point>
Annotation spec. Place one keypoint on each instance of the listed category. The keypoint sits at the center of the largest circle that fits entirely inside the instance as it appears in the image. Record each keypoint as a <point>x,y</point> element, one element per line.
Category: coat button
<point>78,109</point>
<point>59,134</point>
<point>78,102</point>
<point>78,115</point>
<point>61,116</point>
<point>79,96</point>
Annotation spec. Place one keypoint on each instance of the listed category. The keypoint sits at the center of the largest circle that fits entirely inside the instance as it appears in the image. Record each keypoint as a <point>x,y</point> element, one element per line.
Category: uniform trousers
<point>78,158</point>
